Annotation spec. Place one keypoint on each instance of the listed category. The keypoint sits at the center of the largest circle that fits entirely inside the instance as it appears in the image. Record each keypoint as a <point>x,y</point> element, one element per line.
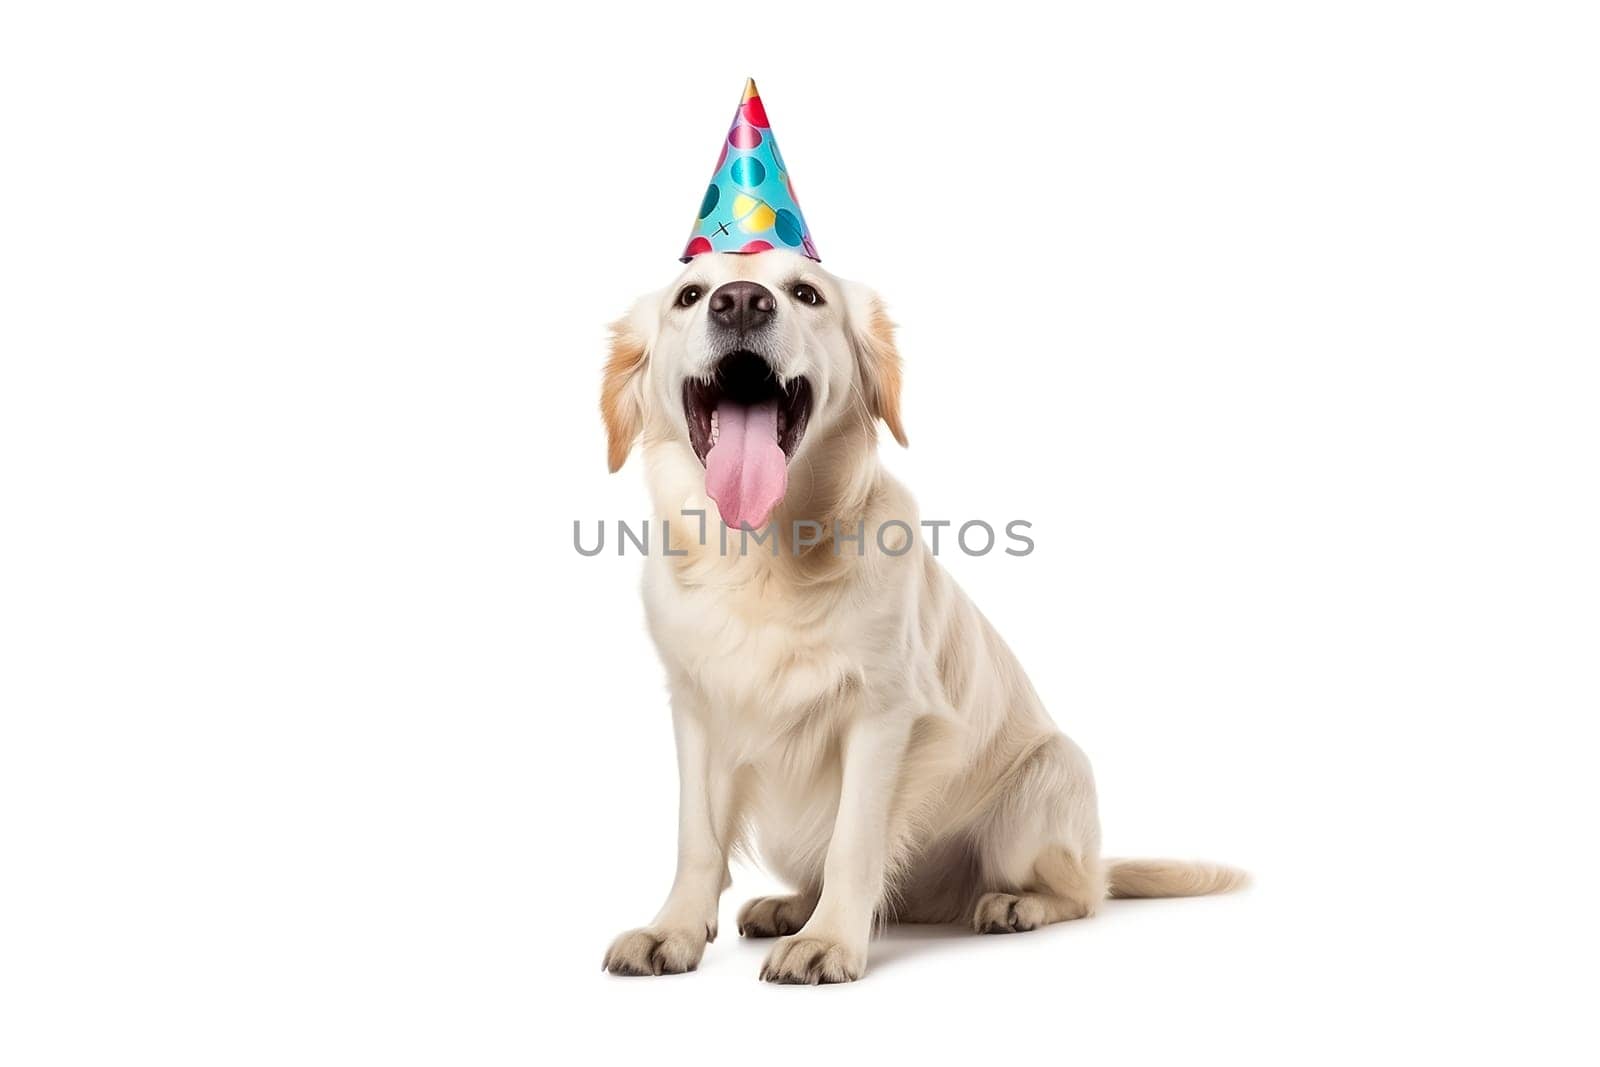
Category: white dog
<point>839,704</point>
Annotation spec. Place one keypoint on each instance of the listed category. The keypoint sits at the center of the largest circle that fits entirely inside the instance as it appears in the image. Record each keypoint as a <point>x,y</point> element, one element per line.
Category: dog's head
<point>748,362</point>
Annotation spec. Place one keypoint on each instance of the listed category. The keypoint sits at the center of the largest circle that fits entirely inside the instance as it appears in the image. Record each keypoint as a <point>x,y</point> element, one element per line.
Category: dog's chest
<point>761,664</point>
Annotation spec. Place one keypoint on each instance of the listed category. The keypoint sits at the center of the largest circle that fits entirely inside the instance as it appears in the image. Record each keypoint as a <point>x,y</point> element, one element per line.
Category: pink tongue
<point>746,473</point>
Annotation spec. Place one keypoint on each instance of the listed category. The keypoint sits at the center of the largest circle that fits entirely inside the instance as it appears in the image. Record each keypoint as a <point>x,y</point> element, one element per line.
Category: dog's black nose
<point>742,306</point>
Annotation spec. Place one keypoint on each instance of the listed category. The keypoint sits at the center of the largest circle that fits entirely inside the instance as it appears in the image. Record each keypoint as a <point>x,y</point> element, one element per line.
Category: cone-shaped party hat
<point>749,205</point>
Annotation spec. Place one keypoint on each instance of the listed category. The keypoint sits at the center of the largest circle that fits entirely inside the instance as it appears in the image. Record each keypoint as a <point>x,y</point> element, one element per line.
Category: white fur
<point>851,717</point>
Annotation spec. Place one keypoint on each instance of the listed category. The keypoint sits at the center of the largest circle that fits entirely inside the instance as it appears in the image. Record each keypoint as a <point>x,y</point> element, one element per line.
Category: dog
<point>840,708</point>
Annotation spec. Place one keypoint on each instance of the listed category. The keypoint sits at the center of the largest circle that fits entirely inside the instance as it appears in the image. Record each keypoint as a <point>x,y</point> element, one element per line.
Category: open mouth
<point>745,426</point>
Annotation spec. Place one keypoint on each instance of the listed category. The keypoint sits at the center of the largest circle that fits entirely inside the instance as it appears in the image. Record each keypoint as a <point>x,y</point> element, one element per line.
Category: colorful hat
<point>749,205</point>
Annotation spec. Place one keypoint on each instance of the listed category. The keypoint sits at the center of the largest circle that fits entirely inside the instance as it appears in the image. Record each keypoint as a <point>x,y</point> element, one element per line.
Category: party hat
<point>749,205</point>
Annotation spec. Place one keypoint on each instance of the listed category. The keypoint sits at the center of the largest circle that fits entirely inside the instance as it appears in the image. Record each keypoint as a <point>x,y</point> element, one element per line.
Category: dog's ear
<point>879,359</point>
<point>622,387</point>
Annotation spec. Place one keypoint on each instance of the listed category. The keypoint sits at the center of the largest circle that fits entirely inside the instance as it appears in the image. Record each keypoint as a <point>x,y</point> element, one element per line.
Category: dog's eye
<point>689,294</point>
<point>806,294</point>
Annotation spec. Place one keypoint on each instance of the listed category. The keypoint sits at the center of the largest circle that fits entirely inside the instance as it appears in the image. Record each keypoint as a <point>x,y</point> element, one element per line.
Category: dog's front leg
<point>832,945</point>
<point>676,939</point>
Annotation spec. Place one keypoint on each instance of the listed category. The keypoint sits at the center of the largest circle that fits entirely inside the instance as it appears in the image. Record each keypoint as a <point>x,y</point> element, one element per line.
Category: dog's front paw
<point>813,961</point>
<point>656,950</point>
<point>774,916</point>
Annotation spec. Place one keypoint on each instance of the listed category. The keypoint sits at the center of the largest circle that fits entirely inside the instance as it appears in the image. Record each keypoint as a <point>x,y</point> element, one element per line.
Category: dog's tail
<point>1172,878</point>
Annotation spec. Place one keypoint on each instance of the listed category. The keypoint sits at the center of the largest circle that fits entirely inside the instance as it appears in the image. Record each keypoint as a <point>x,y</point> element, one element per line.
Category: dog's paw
<point>653,950</point>
<point>1007,913</point>
<point>774,916</point>
<point>812,961</point>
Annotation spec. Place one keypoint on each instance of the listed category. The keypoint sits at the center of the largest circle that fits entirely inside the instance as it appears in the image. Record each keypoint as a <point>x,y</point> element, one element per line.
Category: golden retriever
<point>840,707</point>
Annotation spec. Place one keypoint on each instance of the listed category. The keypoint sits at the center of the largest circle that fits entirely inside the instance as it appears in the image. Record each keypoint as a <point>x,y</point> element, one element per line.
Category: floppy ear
<point>622,387</point>
<point>880,359</point>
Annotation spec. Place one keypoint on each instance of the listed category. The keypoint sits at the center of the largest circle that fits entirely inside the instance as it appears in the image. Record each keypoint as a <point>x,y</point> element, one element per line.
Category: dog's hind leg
<point>777,916</point>
<point>1062,886</point>
<point>1039,849</point>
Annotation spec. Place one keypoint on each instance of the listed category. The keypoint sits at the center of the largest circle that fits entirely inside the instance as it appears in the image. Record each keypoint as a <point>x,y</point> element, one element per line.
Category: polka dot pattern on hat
<point>750,205</point>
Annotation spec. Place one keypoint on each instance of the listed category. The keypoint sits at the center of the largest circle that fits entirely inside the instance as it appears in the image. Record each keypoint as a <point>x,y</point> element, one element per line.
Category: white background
<point>321,744</point>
